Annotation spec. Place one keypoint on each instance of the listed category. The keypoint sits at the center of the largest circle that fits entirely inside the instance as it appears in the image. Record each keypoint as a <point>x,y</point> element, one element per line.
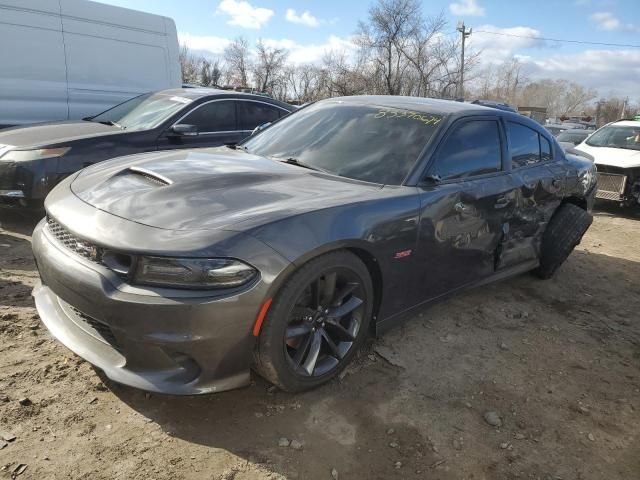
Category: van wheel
<point>564,232</point>
<point>316,323</point>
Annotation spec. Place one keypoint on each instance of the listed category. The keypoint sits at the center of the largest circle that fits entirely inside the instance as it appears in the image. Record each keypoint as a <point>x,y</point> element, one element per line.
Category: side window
<point>527,146</point>
<point>472,149</point>
<point>545,149</point>
<point>213,117</point>
<point>253,114</point>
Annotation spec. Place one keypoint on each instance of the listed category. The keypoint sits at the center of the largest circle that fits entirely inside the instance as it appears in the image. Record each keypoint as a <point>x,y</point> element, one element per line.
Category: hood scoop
<point>148,175</point>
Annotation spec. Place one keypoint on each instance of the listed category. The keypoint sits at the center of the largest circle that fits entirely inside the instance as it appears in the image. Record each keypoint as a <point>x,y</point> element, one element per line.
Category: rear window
<point>253,114</point>
<point>527,146</point>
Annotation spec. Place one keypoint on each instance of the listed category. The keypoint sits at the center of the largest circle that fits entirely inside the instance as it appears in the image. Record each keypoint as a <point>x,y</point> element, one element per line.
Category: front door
<point>467,200</point>
<point>216,123</point>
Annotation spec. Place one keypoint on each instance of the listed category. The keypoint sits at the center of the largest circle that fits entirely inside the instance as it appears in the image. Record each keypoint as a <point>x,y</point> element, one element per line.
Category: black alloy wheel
<point>324,323</point>
<point>316,322</point>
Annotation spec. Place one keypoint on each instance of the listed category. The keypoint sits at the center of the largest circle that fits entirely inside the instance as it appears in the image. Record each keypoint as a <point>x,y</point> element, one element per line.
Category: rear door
<point>217,125</point>
<point>253,113</point>
<point>540,181</point>
<point>467,200</point>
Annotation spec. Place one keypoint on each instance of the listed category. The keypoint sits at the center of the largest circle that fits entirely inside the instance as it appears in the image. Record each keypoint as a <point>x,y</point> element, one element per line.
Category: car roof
<point>201,92</point>
<point>427,105</point>
<point>578,130</point>
<point>627,123</point>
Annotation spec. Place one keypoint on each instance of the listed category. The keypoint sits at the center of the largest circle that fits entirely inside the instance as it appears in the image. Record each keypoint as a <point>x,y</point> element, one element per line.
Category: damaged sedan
<point>179,271</point>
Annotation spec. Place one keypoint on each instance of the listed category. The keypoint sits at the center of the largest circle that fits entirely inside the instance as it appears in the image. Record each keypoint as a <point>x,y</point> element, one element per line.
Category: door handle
<point>461,207</point>
<point>502,202</point>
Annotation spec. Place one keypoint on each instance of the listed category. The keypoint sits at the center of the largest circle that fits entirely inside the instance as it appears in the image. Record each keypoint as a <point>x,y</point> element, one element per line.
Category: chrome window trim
<point>177,122</point>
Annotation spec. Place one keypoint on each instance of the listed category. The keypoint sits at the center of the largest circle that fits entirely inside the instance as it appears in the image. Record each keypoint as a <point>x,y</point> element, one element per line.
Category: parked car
<point>616,152</point>
<point>34,159</point>
<point>68,59</point>
<point>177,271</point>
<point>573,125</point>
<point>494,104</point>
<point>572,137</point>
<point>555,128</point>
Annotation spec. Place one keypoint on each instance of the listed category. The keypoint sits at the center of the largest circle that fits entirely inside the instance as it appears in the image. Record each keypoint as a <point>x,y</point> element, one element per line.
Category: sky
<point>309,28</point>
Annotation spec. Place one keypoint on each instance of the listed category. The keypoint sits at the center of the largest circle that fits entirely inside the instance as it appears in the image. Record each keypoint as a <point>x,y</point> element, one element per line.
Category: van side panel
<point>113,54</point>
<point>33,85</point>
<point>173,52</point>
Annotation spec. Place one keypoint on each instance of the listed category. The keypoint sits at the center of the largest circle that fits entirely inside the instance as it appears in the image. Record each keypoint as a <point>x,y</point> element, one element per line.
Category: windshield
<point>616,136</point>
<point>573,137</point>
<point>143,112</point>
<point>364,142</point>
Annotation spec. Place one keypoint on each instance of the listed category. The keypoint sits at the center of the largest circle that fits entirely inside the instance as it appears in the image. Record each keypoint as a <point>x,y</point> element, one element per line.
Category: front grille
<point>73,243</point>
<point>96,327</point>
<point>611,186</point>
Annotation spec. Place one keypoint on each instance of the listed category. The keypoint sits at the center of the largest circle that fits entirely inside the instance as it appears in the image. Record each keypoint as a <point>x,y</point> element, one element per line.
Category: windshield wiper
<point>298,163</point>
<point>235,146</point>
<point>113,124</point>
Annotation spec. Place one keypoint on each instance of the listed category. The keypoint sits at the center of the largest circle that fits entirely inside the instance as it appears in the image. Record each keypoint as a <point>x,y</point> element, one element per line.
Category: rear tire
<point>301,346</point>
<point>564,232</point>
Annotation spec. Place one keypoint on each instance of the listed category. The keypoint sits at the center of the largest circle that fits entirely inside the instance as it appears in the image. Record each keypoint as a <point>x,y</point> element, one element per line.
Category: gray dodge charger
<point>179,271</point>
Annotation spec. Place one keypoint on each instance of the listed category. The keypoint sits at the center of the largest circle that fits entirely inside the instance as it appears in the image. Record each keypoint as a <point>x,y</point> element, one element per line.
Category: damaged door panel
<point>462,243</point>
<point>467,202</point>
<point>540,186</point>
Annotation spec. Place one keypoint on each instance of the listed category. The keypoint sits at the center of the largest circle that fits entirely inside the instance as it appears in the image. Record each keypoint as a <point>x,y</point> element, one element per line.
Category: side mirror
<point>432,178</point>
<point>184,130</point>
<point>260,128</point>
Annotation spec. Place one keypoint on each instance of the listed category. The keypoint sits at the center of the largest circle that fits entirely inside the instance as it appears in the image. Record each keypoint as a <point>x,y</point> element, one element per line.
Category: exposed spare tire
<point>564,232</point>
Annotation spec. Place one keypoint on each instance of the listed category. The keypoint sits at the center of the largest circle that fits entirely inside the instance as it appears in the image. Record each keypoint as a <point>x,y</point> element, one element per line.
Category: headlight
<point>192,272</point>
<point>25,155</point>
<point>589,177</point>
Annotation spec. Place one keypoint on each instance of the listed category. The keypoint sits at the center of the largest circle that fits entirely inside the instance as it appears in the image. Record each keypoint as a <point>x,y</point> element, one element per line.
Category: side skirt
<point>385,324</point>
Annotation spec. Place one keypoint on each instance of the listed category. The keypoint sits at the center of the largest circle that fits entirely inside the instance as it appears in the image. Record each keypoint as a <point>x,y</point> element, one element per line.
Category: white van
<point>68,59</point>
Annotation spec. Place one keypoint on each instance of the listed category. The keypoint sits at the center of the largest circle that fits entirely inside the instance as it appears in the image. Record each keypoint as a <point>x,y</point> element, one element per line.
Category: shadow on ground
<point>613,209</point>
<point>550,347</point>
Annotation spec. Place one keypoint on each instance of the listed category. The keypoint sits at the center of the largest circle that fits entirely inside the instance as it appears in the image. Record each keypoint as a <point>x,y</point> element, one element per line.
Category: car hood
<point>614,157</point>
<point>215,188</point>
<point>43,134</point>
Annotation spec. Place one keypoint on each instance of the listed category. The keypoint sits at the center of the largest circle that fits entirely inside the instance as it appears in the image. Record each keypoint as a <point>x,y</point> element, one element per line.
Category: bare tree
<point>189,65</point>
<point>559,97</point>
<point>237,58</point>
<point>268,69</point>
<point>609,109</point>
<point>210,72</point>
<point>389,30</point>
<point>305,83</point>
<point>342,77</point>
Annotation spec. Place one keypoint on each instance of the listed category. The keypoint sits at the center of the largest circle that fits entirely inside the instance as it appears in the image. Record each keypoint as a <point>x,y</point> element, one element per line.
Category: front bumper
<point>618,184</point>
<point>26,184</point>
<point>156,342</point>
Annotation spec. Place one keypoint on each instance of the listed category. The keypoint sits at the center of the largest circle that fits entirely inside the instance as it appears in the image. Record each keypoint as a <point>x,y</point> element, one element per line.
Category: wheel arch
<point>577,201</point>
<point>359,248</point>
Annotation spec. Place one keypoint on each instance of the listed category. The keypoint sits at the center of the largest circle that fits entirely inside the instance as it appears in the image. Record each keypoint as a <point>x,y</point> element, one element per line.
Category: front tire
<point>316,323</point>
<point>564,232</point>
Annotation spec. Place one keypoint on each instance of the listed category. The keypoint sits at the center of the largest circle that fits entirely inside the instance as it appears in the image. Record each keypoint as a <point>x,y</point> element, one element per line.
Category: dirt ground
<point>557,361</point>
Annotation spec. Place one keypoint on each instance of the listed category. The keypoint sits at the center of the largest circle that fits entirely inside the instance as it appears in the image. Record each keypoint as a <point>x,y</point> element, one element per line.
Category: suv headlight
<point>207,273</point>
<point>589,177</point>
<point>37,154</point>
